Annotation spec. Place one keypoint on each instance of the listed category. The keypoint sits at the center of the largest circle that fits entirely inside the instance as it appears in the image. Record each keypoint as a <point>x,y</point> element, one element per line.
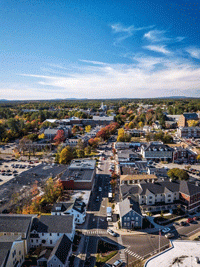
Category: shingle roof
<point>4,250</point>
<point>127,205</point>
<point>53,224</point>
<point>62,249</point>
<point>15,223</point>
<point>188,188</point>
<point>63,206</point>
<point>190,116</point>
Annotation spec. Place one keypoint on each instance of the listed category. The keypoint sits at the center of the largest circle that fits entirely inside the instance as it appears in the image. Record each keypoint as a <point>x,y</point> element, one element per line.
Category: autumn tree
<point>66,155</point>
<point>60,137</point>
<point>88,128</point>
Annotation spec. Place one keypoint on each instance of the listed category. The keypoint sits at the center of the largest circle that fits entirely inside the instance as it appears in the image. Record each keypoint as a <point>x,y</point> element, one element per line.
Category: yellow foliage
<point>41,136</point>
<point>192,123</point>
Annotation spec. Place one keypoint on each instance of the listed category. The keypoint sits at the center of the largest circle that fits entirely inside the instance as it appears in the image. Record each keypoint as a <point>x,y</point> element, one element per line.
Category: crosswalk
<point>95,232</point>
<point>133,254</point>
<point>122,254</point>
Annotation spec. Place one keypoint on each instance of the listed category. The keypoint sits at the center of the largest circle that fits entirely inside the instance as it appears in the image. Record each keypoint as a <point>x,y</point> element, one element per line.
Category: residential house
<point>59,256</point>
<point>17,225</point>
<point>185,117</point>
<point>77,208</point>
<point>48,229</point>
<point>156,151</point>
<point>12,251</point>
<point>130,214</point>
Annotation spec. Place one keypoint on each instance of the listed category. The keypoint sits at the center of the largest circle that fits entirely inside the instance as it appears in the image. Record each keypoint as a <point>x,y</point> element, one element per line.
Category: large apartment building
<point>156,151</point>
<point>185,117</point>
<point>188,132</point>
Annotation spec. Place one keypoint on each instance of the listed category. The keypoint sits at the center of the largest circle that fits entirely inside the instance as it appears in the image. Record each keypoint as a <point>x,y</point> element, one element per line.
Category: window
<point>50,241</point>
<point>31,240</point>
<point>124,218</point>
<point>124,224</point>
<point>132,218</point>
<point>42,234</point>
<point>150,202</point>
<point>36,240</point>
<point>50,234</point>
<point>136,218</point>
<point>20,252</point>
<point>128,218</point>
<point>58,234</point>
<point>150,197</point>
<point>128,224</point>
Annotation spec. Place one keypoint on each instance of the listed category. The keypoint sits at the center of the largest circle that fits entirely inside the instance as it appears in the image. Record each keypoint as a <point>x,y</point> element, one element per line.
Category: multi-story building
<point>188,132</point>
<point>183,155</point>
<point>77,208</point>
<point>130,214</point>
<point>156,151</point>
<point>154,197</point>
<point>48,229</point>
<point>185,117</point>
<point>137,178</point>
<point>80,175</point>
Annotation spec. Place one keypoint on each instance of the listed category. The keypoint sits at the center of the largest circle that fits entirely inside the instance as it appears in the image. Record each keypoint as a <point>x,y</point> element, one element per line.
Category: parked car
<point>183,223</point>
<point>117,263</point>
<point>97,199</point>
<point>169,235</point>
<point>110,232</point>
<point>100,189</point>
<point>165,230</point>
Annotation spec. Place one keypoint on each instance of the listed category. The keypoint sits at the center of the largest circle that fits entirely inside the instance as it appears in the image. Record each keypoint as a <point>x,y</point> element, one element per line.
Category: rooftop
<point>83,164</point>
<point>137,177</point>
<point>182,253</point>
<point>78,175</point>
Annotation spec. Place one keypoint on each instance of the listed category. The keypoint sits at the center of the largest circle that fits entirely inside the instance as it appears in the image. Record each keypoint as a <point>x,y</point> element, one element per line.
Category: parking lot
<point>11,169</point>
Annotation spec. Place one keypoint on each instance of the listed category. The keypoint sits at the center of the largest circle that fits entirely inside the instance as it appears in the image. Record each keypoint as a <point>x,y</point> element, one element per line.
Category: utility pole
<point>159,239</point>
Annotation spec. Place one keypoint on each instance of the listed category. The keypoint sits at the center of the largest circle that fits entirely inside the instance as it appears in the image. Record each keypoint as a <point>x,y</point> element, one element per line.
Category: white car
<point>100,189</point>
<point>166,230</point>
<point>110,232</point>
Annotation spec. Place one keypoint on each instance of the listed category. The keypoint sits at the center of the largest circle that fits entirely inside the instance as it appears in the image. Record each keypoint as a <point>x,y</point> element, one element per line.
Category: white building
<point>76,208</point>
<point>47,230</point>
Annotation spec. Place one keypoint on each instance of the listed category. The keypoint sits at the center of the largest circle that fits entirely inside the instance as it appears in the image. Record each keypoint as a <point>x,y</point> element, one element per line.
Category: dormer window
<point>58,208</point>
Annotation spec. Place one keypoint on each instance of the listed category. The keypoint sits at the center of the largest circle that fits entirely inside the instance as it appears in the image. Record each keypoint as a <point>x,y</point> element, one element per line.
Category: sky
<point>99,49</point>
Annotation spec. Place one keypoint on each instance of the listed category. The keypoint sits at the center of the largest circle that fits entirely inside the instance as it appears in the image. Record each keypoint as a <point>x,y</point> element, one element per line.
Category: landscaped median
<point>105,252</point>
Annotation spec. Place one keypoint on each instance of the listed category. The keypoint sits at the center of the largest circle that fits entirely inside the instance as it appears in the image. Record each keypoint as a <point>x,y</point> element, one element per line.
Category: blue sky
<point>99,49</point>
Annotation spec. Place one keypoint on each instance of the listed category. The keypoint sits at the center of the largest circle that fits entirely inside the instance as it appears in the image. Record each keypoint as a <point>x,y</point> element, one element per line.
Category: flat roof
<point>78,175</point>
<point>182,253</point>
<point>137,177</point>
<point>83,164</point>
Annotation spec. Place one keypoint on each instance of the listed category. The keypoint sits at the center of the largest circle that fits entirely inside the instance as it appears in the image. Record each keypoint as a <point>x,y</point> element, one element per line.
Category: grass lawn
<point>102,258</point>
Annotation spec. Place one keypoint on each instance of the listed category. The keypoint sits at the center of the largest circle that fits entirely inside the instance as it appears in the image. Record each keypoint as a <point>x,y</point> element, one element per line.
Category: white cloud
<point>126,32</point>
<point>158,48</point>
<point>160,36</point>
<point>194,52</point>
<point>140,79</point>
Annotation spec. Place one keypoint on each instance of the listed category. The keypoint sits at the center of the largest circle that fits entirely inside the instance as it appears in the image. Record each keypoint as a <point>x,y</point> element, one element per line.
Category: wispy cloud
<point>126,32</point>
<point>158,48</point>
<point>194,52</point>
<point>161,36</point>
<point>140,79</point>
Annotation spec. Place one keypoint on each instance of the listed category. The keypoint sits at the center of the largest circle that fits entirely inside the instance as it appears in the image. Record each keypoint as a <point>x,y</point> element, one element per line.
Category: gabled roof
<point>15,223</point>
<point>62,249</point>
<point>188,188</point>
<point>53,224</point>
<point>127,205</point>
<point>63,206</point>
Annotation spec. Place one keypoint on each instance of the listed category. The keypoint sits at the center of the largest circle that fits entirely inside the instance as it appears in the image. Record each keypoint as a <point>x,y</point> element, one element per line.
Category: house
<point>80,175</point>
<point>188,132</point>
<point>185,117</point>
<point>12,250</point>
<point>17,225</point>
<point>136,132</point>
<point>156,151</point>
<point>76,208</point>
<point>59,256</point>
<point>137,178</point>
<point>47,229</point>
<point>183,155</point>
<point>163,195</point>
<point>130,214</point>
<point>147,129</point>
<point>171,121</point>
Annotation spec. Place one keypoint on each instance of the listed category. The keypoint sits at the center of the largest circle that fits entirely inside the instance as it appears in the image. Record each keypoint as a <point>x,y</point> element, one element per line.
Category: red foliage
<point>60,137</point>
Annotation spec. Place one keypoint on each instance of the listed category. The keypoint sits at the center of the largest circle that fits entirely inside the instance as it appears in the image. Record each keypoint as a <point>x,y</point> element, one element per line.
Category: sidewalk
<point>78,254</point>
